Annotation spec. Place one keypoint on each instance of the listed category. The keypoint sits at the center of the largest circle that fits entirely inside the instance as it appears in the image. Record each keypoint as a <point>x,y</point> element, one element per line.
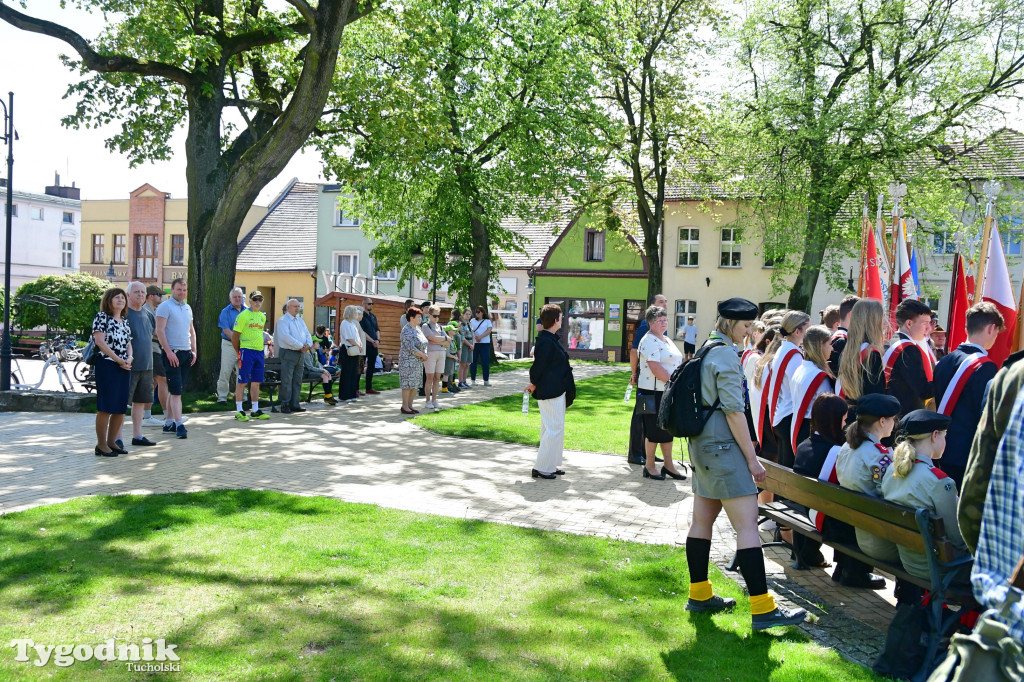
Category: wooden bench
<point>915,529</point>
<point>272,381</point>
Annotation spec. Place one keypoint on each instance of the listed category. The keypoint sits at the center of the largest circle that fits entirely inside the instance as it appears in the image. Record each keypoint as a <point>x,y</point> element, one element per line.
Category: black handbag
<point>645,404</point>
<point>569,384</point>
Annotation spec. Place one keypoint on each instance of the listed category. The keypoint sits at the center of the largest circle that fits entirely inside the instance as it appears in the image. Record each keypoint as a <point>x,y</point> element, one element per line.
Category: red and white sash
<point>894,352</point>
<point>959,381</point>
<point>839,334</point>
<point>757,405</point>
<point>778,378</point>
<point>828,474</point>
<point>746,354</point>
<point>864,350</point>
<point>806,382</point>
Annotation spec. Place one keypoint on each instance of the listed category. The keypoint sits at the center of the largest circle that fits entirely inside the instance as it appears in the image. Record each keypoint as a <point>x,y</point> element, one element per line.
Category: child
<point>449,383</point>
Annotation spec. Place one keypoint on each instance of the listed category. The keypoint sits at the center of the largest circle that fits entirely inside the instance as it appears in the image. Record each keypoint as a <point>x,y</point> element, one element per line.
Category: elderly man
<point>228,355</point>
<point>293,341</point>
<point>177,337</point>
<point>142,323</point>
<point>372,330</point>
<point>154,297</point>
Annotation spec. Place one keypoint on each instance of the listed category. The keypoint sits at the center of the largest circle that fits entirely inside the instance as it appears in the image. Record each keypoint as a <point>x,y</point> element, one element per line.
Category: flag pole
<point>897,190</point>
<point>991,190</point>
<point>864,227</point>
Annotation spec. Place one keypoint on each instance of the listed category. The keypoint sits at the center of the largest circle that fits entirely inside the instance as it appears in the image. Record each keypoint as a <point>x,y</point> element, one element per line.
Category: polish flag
<point>956,327</point>
<point>902,287</point>
<point>999,291</point>
<point>871,277</point>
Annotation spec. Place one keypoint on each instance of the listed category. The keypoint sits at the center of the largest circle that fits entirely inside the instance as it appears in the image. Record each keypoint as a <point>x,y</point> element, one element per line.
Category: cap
<point>878,405</point>
<point>451,326</point>
<point>154,290</point>
<point>737,309</point>
<point>920,422</point>
<point>254,293</point>
<point>938,328</point>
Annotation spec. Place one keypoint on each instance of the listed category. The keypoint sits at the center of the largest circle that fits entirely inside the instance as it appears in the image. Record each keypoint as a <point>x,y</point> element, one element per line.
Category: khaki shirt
<point>925,487</point>
<point>721,376</point>
<point>862,469</point>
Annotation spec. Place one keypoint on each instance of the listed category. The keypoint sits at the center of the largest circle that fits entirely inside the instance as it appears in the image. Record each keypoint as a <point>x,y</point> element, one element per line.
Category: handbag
<point>89,354</point>
<point>645,404</point>
<point>351,351</point>
<point>569,384</point>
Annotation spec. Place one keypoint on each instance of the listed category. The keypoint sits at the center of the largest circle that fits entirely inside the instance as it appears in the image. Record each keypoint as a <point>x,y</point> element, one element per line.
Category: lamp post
<point>5,344</point>
<point>110,272</point>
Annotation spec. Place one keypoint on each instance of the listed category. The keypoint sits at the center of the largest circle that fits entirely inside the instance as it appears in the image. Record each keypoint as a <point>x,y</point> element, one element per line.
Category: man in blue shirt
<point>637,452</point>
<point>228,356</point>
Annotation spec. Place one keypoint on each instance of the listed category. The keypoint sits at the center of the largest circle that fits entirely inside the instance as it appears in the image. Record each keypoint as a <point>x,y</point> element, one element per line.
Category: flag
<point>902,286</point>
<point>871,277</point>
<point>998,290</point>
<point>1018,337</point>
<point>956,327</point>
<point>971,285</point>
<point>913,269</point>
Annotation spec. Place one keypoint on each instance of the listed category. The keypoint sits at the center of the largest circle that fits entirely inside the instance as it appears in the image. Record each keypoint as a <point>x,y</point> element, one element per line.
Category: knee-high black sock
<point>751,563</point>
<point>698,553</point>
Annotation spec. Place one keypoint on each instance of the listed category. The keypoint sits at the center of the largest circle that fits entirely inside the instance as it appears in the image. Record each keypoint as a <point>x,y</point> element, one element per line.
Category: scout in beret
<point>737,309</point>
<point>878,405</point>
<point>923,422</point>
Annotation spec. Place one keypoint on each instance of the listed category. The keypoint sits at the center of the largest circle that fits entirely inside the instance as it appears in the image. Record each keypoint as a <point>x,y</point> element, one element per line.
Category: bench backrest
<point>887,520</point>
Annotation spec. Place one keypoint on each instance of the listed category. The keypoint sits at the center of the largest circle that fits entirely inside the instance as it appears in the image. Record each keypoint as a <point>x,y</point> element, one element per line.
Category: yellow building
<point>143,237</point>
<point>278,256</point>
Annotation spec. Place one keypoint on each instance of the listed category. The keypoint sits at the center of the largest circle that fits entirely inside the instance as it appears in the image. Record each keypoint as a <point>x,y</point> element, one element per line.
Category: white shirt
<point>481,327</point>
<point>690,333</point>
<point>291,333</point>
<point>348,330</point>
<point>784,406</point>
<point>801,381</point>
<point>653,349</point>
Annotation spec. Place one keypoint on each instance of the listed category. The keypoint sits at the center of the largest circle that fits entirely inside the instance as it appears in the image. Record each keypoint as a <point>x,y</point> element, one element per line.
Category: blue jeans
<point>481,356</point>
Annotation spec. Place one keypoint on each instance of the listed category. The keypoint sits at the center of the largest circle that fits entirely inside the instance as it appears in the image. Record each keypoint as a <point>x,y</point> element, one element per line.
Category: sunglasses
<point>258,298</point>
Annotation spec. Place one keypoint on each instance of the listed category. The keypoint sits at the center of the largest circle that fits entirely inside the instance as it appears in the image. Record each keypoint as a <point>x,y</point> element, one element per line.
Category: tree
<point>842,96</point>
<point>248,82</point>
<point>79,294</point>
<point>647,50</point>
<point>450,116</point>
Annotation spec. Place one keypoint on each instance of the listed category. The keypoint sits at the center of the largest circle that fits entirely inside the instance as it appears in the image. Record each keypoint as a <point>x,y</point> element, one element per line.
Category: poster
<point>613,312</point>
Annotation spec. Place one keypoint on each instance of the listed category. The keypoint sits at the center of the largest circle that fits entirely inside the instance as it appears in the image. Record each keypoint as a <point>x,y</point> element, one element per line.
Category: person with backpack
<point>725,469</point>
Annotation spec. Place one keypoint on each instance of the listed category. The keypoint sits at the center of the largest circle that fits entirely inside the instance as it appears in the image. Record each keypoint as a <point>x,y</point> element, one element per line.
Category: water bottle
<point>526,402</point>
<point>629,393</point>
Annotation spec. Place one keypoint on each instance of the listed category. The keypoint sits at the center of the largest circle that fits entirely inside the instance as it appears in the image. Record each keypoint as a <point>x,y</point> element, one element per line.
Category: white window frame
<point>386,275</point>
<point>36,216</point>
<point>67,255</point>
<point>355,261</point>
<point>685,307</point>
<point>692,248</point>
<point>341,221</point>
<point>731,246</point>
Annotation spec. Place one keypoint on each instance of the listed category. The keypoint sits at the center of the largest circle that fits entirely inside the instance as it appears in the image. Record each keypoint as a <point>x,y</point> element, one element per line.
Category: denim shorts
<point>177,377</point>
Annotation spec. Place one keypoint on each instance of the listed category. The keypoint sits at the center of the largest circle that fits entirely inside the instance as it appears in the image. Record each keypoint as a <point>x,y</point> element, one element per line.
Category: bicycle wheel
<point>82,371</point>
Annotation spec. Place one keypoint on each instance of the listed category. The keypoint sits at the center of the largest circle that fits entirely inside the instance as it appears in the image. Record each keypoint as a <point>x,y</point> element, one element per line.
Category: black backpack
<point>682,412</point>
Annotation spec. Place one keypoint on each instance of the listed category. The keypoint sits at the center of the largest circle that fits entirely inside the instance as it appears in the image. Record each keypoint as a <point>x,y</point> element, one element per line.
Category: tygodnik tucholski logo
<point>151,656</point>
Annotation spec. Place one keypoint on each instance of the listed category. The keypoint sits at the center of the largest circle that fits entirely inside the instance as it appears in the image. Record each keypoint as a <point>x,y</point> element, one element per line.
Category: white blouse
<point>653,349</point>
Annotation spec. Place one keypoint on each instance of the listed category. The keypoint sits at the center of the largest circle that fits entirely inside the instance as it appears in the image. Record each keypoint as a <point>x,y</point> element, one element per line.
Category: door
<point>632,314</point>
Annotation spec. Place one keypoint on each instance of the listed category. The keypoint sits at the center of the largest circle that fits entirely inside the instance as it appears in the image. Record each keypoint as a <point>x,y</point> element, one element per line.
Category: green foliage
<point>449,117</point>
<point>79,294</point>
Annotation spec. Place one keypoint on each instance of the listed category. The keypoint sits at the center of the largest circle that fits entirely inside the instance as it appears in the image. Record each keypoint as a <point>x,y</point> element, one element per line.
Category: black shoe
<point>665,472</point>
<point>100,453</point>
<point>142,441</point>
<point>636,460</point>
<point>285,409</point>
<point>656,477</point>
<point>559,472</point>
<point>777,617</point>
<point>537,474</point>
<point>868,581</point>
<point>119,443</point>
<point>119,451</point>
<point>714,605</point>
<point>298,409</point>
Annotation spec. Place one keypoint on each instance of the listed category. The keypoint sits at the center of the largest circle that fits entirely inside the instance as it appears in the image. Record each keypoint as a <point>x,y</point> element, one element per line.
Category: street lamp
<point>9,136</point>
<point>110,272</point>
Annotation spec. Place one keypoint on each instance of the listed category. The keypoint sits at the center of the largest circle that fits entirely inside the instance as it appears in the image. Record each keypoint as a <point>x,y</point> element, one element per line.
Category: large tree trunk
<point>818,231</point>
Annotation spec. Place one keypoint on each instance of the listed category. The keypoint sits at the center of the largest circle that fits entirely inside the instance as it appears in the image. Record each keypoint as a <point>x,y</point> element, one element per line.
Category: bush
<point>79,295</point>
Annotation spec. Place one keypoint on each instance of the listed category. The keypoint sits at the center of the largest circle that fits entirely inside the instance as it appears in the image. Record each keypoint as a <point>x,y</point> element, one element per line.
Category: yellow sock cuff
<point>701,591</point>
<point>761,603</point>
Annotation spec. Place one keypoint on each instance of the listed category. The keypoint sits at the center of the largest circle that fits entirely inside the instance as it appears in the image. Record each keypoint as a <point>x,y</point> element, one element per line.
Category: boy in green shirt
<point>247,338</point>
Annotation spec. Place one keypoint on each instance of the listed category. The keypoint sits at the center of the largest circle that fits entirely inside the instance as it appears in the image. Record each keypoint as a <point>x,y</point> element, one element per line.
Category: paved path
<point>368,452</point>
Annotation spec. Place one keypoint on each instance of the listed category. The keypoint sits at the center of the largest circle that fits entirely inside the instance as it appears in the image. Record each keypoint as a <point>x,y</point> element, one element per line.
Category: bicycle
<point>85,375</point>
<point>52,361</point>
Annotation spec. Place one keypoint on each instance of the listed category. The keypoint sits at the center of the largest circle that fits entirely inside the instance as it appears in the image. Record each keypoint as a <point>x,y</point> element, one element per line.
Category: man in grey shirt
<point>140,391</point>
<point>177,337</point>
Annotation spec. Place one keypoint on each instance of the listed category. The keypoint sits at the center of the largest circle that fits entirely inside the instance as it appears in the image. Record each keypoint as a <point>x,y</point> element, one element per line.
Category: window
<point>120,241</point>
<point>67,254</point>
<point>932,303</point>
<point>145,256</point>
<point>594,246</point>
<point>97,248</point>
<point>684,308</point>
<point>343,220</point>
<point>730,247</point>
<point>586,324</point>
<point>944,242</point>
<point>177,249</point>
<point>688,243</point>
<point>69,218</point>
<point>346,262</point>
<point>36,213</point>
<point>14,210</point>
<point>1010,229</point>
<point>387,275</point>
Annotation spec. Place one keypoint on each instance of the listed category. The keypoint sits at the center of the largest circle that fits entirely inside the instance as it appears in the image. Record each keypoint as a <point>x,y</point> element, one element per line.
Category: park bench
<point>916,529</point>
<point>272,381</point>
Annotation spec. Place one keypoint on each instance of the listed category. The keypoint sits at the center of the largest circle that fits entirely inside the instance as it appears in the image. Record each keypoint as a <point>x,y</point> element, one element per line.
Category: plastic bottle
<point>526,402</point>
<point>629,393</point>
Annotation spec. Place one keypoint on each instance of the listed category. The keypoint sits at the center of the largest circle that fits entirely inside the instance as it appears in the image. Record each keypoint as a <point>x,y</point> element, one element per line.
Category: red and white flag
<point>999,290</point>
<point>956,326</point>
<point>871,276</point>
<point>902,286</point>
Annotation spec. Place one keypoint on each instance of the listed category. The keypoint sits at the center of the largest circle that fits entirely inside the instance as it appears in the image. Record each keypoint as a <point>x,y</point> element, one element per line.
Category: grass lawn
<point>598,420</point>
<point>257,585</point>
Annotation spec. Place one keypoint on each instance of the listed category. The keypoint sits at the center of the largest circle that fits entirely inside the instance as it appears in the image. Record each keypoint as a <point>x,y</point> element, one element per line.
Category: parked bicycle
<point>85,375</point>
<point>64,346</point>
<point>52,361</point>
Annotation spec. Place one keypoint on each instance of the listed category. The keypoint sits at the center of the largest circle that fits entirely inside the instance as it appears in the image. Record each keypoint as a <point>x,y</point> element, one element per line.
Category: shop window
<point>586,324</point>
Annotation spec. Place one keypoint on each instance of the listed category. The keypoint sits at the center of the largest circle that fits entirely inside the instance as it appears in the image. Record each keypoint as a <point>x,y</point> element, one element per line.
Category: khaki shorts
<point>140,386</point>
<point>435,362</point>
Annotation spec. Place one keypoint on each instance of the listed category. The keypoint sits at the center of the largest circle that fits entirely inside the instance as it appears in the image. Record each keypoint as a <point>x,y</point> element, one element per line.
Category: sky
<point>30,68</point>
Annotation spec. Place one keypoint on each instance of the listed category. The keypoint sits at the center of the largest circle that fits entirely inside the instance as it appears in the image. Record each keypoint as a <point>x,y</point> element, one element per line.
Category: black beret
<point>878,405</point>
<point>737,309</point>
<point>920,422</point>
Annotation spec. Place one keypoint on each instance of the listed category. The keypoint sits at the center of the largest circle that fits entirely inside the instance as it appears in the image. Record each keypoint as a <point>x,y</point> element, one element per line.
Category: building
<point>278,255</point>
<point>45,232</point>
<point>143,237</point>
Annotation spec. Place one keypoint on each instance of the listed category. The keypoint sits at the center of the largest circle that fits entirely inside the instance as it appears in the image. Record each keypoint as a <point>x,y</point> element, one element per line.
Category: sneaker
<point>181,432</point>
<point>259,414</point>
<point>222,401</point>
<point>714,605</point>
<point>153,421</point>
<point>241,417</point>
<point>444,389</point>
<point>778,617</point>
<point>436,406</point>
<point>169,428</point>
<point>474,382</point>
<point>487,383</point>
<point>330,401</point>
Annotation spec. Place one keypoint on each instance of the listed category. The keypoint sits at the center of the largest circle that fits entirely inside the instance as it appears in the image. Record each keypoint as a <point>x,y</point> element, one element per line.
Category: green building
<point>599,278</point>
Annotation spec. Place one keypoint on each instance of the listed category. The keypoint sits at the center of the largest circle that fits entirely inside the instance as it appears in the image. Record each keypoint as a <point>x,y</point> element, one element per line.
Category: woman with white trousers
<point>551,384</point>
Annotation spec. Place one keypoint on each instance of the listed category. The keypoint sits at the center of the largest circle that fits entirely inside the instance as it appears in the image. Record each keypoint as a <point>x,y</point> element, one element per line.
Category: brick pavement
<point>368,452</point>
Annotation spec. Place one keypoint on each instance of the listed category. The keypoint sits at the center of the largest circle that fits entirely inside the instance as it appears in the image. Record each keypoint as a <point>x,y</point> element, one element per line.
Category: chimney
<point>57,190</point>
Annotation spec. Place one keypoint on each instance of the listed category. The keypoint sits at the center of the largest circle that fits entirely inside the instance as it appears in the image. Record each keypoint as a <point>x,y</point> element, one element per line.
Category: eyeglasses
<point>258,298</point>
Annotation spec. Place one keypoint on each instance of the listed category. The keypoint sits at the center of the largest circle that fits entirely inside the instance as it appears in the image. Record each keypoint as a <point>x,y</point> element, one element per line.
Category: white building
<point>45,232</point>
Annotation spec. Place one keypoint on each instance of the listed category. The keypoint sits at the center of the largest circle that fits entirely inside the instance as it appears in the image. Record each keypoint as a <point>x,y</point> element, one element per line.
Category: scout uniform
<point>961,378</point>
